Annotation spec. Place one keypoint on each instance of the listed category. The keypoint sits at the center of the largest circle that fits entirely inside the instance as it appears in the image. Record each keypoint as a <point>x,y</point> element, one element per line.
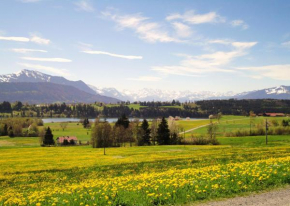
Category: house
<point>274,114</point>
<point>177,118</point>
<point>67,140</point>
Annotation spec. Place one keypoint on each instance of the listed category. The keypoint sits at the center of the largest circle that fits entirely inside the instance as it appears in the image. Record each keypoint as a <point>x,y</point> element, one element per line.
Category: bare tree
<point>212,130</point>
<point>154,127</point>
<point>219,116</point>
<point>173,126</point>
<point>63,125</point>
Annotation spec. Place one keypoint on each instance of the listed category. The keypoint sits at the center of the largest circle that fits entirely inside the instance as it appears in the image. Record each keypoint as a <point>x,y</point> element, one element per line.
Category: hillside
<point>43,92</point>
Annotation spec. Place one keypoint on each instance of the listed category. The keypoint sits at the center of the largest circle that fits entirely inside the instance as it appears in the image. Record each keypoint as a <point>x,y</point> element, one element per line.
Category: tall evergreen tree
<point>5,130</point>
<point>86,122</point>
<point>145,132</point>
<point>163,133</point>
<point>48,137</point>
<point>10,132</point>
<point>123,121</point>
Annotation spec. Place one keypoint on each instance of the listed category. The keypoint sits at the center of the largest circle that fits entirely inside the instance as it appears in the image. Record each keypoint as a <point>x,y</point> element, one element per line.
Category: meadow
<point>152,175</point>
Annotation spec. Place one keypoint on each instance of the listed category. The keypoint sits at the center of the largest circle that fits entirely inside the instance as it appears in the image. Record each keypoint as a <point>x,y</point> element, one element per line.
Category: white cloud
<point>236,44</point>
<point>84,5</point>
<point>192,18</point>
<point>286,44</point>
<point>220,41</point>
<point>61,72</point>
<point>22,50</point>
<point>38,40</point>
<point>34,38</point>
<point>279,72</point>
<point>47,59</point>
<point>20,39</point>
<point>239,23</point>
<point>146,30</point>
<point>182,30</point>
<point>113,55</point>
<point>146,79</point>
<point>207,63</point>
<point>244,45</point>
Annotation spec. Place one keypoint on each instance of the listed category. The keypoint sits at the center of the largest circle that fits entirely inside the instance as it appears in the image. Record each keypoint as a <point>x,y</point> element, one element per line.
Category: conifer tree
<point>48,137</point>
<point>123,121</point>
<point>10,132</point>
<point>5,130</point>
<point>145,132</point>
<point>163,133</point>
<point>86,122</point>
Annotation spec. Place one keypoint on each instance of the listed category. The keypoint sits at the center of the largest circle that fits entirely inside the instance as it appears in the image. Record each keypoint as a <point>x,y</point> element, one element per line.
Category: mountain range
<point>36,87</point>
<point>45,92</point>
<point>62,90</point>
<point>147,94</point>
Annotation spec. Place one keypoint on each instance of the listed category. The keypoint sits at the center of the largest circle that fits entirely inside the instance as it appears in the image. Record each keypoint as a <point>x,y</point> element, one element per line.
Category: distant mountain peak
<point>33,76</point>
<point>278,90</point>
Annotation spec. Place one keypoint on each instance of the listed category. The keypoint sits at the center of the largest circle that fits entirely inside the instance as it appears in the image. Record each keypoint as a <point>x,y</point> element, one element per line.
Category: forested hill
<point>42,92</point>
<point>243,107</point>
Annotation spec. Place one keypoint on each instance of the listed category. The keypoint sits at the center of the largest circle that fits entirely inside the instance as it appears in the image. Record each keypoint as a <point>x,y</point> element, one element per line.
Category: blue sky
<point>206,45</point>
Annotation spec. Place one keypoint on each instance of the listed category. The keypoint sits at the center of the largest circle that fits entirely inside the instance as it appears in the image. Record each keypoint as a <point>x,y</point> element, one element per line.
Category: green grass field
<point>152,175</point>
<point>73,129</point>
<point>233,123</point>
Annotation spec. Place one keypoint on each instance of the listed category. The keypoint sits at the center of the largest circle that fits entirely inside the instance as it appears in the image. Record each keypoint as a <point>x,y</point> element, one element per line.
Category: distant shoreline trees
<point>152,109</point>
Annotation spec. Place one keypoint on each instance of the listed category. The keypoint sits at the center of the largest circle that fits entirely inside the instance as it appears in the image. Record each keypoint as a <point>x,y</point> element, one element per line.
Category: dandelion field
<point>158,175</point>
<point>154,175</point>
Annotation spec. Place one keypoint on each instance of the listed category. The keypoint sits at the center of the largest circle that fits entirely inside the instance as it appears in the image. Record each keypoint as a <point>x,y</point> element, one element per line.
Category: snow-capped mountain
<point>110,92</point>
<point>147,94</point>
<point>36,76</point>
<point>280,92</point>
<point>25,76</point>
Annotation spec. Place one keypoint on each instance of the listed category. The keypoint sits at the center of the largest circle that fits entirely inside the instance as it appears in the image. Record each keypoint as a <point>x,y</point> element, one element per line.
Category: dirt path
<point>207,125</point>
<point>274,198</point>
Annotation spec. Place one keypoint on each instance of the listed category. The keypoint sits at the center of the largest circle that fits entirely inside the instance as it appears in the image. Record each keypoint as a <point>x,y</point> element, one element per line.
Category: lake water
<point>49,120</point>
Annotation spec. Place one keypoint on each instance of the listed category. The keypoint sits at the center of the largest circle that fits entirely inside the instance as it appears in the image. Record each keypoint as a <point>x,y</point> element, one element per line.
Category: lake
<point>50,120</point>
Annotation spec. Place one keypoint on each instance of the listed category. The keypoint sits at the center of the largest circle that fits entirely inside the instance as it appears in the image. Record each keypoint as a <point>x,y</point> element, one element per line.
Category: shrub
<point>201,140</point>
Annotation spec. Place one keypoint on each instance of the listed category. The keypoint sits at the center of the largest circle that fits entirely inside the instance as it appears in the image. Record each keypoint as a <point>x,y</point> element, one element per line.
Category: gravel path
<point>274,198</point>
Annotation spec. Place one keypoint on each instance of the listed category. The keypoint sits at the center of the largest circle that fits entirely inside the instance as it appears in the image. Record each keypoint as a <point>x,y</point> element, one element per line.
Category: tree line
<point>152,109</point>
<point>152,112</point>
<point>161,132</point>
<point>243,107</point>
<point>147,110</point>
<point>20,127</point>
